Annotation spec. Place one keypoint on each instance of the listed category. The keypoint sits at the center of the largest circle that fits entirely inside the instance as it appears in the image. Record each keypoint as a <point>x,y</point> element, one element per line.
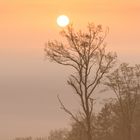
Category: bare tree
<point>24,138</point>
<point>60,134</point>
<point>30,138</point>
<point>104,123</point>
<point>125,83</point>
<point>85,53</point>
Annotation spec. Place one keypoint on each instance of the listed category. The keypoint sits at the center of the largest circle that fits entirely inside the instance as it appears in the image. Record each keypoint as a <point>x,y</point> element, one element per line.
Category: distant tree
<point>136,125</point>
<point>77,132</point>
<point>60,134</point>
<point>125,83</point>
<point>23,138</point>
<point>85,53</point>
<point>104,123</point>
<point>30,138</point>
<point>41,138</point>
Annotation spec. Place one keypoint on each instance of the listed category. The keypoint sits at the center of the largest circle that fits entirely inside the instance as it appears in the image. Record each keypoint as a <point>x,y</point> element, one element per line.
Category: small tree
<point>60,134</point>
<point>104,123</point>
<point>137,120</point>
<point>24,138</point>
<point>125,82</point>
<point>85,53</point>
<point>77,132</point>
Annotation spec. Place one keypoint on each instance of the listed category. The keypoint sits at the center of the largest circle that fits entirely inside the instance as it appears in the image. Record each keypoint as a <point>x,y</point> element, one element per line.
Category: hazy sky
<point>28,84</point>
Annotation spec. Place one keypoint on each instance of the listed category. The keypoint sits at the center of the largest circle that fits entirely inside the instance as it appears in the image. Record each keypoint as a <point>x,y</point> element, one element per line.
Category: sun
<point>62,20</point>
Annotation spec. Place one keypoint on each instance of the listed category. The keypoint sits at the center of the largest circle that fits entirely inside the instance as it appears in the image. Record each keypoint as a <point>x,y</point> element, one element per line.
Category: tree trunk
<point>127,132</point>
<point>89,134</point>
<point>128,137</point>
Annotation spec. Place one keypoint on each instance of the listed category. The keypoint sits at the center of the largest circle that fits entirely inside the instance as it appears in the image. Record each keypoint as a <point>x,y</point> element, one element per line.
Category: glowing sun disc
<point>62,21</point>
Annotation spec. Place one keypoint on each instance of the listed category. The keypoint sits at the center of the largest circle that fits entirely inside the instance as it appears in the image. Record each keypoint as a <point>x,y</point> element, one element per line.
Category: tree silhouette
<point>104,123</point>
<point>85,53</point>
<point>60,134</point>
<point>125,83</point>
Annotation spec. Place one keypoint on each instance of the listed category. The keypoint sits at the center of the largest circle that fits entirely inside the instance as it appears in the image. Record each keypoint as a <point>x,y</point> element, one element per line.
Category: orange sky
<point>24,17</point>
<point>28,103</point>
